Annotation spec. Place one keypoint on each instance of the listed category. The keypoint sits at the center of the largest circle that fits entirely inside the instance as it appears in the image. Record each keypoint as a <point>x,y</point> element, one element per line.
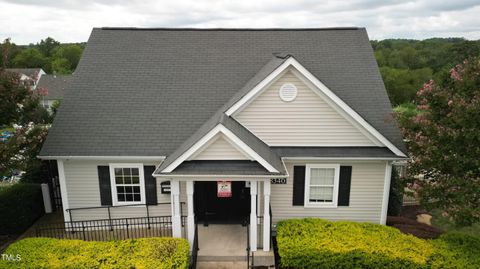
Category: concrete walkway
<point>222,242</point>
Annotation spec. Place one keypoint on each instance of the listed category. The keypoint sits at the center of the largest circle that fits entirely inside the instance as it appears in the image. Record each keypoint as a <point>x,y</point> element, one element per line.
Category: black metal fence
<point>56,194</point>
<point>108,229</point>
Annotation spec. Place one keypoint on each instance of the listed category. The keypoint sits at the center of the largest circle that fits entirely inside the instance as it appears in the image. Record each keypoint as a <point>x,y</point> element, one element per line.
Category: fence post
<point>148,218</point>
<point>110,219</point>
<point>71,221</point>
<point>83,230</point>
<point>126,223</point>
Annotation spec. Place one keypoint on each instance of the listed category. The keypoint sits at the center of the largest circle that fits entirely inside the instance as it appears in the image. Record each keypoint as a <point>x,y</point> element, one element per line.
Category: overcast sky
<point>28,21</point>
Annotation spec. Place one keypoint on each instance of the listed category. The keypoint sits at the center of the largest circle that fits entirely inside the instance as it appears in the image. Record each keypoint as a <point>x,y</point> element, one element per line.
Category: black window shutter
<point>298,185</point>
<point>105,185</point>
<point>150,185</point>
<point>344,185</point>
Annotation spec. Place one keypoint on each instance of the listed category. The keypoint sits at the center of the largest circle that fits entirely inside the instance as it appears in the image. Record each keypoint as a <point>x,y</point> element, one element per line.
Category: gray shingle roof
<point>144,92</point>
<point>55,84</point>
<point>237,129</point>
<point>221,168</point>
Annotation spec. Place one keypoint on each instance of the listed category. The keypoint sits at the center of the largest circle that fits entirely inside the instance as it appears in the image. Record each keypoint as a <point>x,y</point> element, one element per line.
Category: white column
<point>176,218</point>
<point>266,215</point>
<point>191,214</point>
<point>386,192</point>
<point>253,216</point>
<point>63,189</point>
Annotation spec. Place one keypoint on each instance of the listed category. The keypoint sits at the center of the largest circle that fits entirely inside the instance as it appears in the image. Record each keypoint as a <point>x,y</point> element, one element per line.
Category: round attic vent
<point>288,92</point>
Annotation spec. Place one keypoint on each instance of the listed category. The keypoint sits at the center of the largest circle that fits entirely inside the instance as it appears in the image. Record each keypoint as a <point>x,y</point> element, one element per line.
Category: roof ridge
<point>228,29</point>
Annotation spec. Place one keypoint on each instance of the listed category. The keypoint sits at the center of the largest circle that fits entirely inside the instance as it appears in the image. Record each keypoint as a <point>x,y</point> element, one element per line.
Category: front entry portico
<point>210,207</point>
<point>244,191</point>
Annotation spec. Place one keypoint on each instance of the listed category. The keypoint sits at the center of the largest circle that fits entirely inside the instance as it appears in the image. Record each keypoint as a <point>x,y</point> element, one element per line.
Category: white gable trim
<point>228,134</point>
<point>245,100</point>
<point>215,139</point>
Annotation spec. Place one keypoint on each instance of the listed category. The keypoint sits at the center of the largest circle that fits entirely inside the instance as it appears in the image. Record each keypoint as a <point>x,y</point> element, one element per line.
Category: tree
<point>19,105</point>
<point>61,66</point>
<point>29,58</point>
<point>20,108</point>
<point>401,84</point>
<point>444,143</point>
<point>21,150</point>
<point>47,46</point>
<point>72,53</point>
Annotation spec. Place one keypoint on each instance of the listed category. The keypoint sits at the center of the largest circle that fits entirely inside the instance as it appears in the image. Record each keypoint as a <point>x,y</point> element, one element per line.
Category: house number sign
<point>282,180</point>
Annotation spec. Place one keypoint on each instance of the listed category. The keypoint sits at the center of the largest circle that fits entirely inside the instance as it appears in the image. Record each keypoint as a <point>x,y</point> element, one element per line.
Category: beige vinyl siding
<point>306,121</point>
<point>220,149</point>
<point>83,191</point>
<point>366,196</point>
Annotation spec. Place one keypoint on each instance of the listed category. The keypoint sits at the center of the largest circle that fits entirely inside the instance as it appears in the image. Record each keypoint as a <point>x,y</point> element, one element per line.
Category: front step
<point>222,258</point>
<point>221,265</point>
<point>263,259</point>
<point>260,259</point>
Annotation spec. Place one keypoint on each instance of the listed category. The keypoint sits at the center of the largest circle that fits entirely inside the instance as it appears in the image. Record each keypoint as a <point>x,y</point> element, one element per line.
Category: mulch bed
<point>407,223</point>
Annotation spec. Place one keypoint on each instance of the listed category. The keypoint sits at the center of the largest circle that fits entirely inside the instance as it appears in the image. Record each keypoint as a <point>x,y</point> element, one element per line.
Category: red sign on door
<point>224,189</point>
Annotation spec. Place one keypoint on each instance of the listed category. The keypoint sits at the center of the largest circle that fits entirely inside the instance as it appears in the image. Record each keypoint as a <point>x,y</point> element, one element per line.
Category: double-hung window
<point>128,184</point>
<point>321,185</point>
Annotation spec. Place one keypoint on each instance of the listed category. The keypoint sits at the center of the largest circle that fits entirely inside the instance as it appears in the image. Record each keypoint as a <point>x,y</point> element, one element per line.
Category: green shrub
<point>456,250</point>
<point>316,243</point>
<point>20,205</point>
<point>136,253</point>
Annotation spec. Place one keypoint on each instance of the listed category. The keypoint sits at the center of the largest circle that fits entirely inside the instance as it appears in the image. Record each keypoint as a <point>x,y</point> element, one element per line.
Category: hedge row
<point>20,205</point>
<point>316,243</point>
<point>60,253</point>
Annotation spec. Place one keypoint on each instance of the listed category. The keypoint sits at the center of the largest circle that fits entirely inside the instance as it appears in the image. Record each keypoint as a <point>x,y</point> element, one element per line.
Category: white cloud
<point>28,21</point>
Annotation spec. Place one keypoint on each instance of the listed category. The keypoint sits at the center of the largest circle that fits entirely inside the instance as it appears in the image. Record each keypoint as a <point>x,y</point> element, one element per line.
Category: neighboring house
<point>30,76</point>
<point>55,86</point>
<point>238,121</point>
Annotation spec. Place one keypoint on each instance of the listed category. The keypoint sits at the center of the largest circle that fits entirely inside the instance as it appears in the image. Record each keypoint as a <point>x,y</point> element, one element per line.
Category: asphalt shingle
<point>55,85</point>
<point>144,92</point>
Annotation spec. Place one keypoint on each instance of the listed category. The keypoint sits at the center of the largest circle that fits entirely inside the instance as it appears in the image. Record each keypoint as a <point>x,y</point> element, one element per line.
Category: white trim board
<point>63,189</point>
<point>231,137</point>
<point>213,177</point>
<point>386,192</point>
<point>344,158</point>
<point>327,94</point>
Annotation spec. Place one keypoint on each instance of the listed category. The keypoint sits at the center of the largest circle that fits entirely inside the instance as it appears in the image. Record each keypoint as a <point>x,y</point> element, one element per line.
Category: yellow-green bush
<point>135,253</point>
<point>316,243</point>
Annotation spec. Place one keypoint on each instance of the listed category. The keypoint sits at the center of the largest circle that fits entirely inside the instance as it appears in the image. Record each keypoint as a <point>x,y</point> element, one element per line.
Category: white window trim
<point>336,181</point>
<point>112,166</point>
